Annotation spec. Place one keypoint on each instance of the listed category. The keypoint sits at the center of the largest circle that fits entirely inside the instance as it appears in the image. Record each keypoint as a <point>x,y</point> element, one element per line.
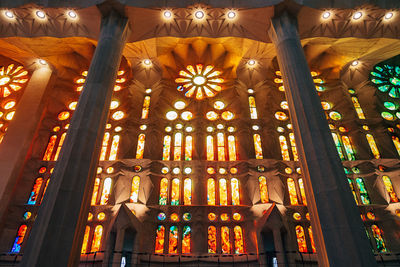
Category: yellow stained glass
<point>301,239</point>
<point>284,148</point>
<point>211,191</point>
<point>293,145</point>
<point>9,104</point>
<point>163,191</point>
<point>210,148</point>
<point>257,146</point>
<point>146,106</point>
<point>225,242</point>
<point>378,236</point>
<point>187,191</point>
<point>50,148</point>
<point>135,189</point>
<point>212,239</point>
<point>186,239</point>
<point>302,192</point>
<point>348,148</point>
<point>238,238</point>
<point>178,146</point>
<point>231,148</point>
<point>60,144</point>
<point>372,145</point>
<point>101,216</point>
<point>63,115</point>
<point>227,115</point>
<point>396,143</point>
<point>104,146</point>
<point>235,191</point>
<point>263,189</point>
<point>188,147</point>
<point>96,243</point>
<point>219,105</point>
<point>279,115</point>
<point>310,233</point>
<point>253,110</point>
<point>140,146</point>
<point>175,189</point>
<point>292,192</point>
<point>95,191</point>
<point>85,240</point>
<point>160,233</point>
<point>212,115</point>
<point>389,188</point>
<point>358,108</point>
<point>221,146</point>
<point>173,240</point>
<point>223,192</point>
<point>114,148</point>
<point>166,147</point>
<point>105,195</point>
<point>187,115</point>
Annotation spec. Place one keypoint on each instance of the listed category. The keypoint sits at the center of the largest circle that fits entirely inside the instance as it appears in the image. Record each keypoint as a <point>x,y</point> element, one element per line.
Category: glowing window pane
<point>173,240</point>
<point>348,148</point>
<point>231,148</point>
<point>171,115</point>
<point>180,105</point>
<point>135,189</point>
<point>105,195</point>
<point>160,233</point>
<point>225,242</point>
<point>378,236</point>
<point>50,148</point>
<point>114,148</point>
<point>292,192</point>
<point>175,192</point>
<point>358,108</point>
<point>396,143</point>
<point>363,191</point>
<point>372,145</point>
<point>210,148</point>
<point>281,116</point>
<point>178,146</point>
<point>35,191</point>
<point>223,192</point>
<point>186,239</point>
<point>284,148</point>
<point>63,115</point>
<point>227,115</point>
<point>118,115</point>
<point>187,115</point>
<point>166,147</point>
<point>211,191</point>
<point>263,189</point>
<point>95,191</point>
<point>235,191</point>
<point>252,105</point>
<point>334,115</point>
<point>338,145</point>
<point>140,146</point>
<point>301,239</point>
<point>310,233</point>
<point>187,191</point>
<point>163,191</point>
<point>19,239</point>
<point>212,239</point>
<point>219,105</point>
<point>145,109</point>
<point>302,192</point>
<point>188,147</point>
<point>59,146</point>
<point>238,238</point>
<point>257,146</point>
<point>221,146</point>
<point>212,115</point>
<point>353,191</point>
<point>104,146</point>
<point>96,243</point>
<point>85,240</point>
<point>389,188</point>
<point>293,145</point>
<point>44,191</point>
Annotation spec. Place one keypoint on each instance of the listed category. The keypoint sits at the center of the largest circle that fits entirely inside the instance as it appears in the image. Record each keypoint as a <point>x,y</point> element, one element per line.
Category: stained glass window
<point>225,241</point>
<point>105,195</point>
<point>175,191</point>
<point>257,146</point>
<point>302,192</point>
<point>62,138</point>
<point>221,146</point>
<point>211,191</point>
<point>396,143</point>
<point>50,148</point>
<point>310,233</point>
<point>378,236</point>
<point>140,146</point>
<point>223,192</point>
<point>358,108</point>
<point>353,191</point>
<point>160,234</point>
<point>389,188</point>
<point>104,146</point>
<point>178,146</point>
<point>146,106</point>
<point>163,191</point>
<point>292,192</point>
<point>44,190</point>
<point>263,189</point>
<point>348,148</point>
<point>96,243</point>
<point>301,239</point>
<point>372,145</point>
<point>188,147</point>
<point>35,191</point>
<point>386,79</point>
<point>338,145</point>
<point>293,145</point>
<point>135,189</point>
<point>210,147</point>
<point>238,238</point>
<point>114,148</point>
<point>235,191</point>
<point>253,110</point>
<point>187,191</point>
<point>186,239</point>
<point>85,240</point>
<point>173,240</point>
<point>232,148</point>
<point>284,148</point>
<point>212,239</point>
<point>96,188</point>
<point>363,191</point>
<point>16,248</point>
<point>166,147</point>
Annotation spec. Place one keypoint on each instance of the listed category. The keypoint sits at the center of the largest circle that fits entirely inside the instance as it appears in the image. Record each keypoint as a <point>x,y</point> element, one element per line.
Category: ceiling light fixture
<point>42,62</point>
<point>389,15</point>
<point>40,14</point>
<point>9,14</point>
<point>199,14</point>
<point>251,62</point>
<point>231,14</point>
<point>72,14</point>
<point>354,63</point>
<point>357,15</point>
<point>167,14</point>
<point>147,62</point>
<point>326,15</point>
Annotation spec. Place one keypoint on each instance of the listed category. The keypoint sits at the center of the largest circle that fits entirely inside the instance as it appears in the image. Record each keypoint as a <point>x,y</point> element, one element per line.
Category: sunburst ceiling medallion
<point>199,82</point>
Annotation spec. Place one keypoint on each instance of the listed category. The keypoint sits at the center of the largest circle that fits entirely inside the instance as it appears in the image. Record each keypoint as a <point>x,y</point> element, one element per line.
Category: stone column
<point>57,234</point>
<point>335,218</point>
<point>280,250</point>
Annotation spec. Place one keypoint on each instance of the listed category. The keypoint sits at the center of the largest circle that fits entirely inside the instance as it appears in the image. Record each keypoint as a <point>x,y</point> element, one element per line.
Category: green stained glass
<point>387,79</point>
<point>387,116</point>
<point>378,68</point>
<point>351,91</point>
<point>384,88</point>
<point>355,170</point>
<point>373,73</point>
<point>397,70</point>
<point>363,191</point>
<point>346,171</point>
<point>338,146</point>
<point>334,115</point>
<point>395,81</point>
<point>398,114</point>
<point>377,81</point>
<point>187,216</point>
<point>390,105</point>
<point>320,88</point>
<point>394,92</point>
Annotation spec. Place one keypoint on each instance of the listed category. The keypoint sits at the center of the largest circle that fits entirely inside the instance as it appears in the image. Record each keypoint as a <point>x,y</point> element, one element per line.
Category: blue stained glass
<point>384,88</point>
<point>378,68</point>
<point>373,73</point>
<point>161,216</point>
<point>394,92</point>
<point>180,88</point>
<point>397,70</point>
<point>377,81</point>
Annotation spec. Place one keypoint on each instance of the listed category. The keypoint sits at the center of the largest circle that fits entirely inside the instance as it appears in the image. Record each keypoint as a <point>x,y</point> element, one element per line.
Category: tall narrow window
<point>225,241</point>
<point>301,239</point>
<point>163,191</point>
<point>363,191</point>
<point>146,106</point>
<point>310,233</point>
<point>223,192</point>
<point>292,192</point>
<point>160,234</point>
<point>389,188</point>
<point>50,148</point>
<point>114,148</point>
<point>104,146</point>
<point>19,239</point>
<point>96,243</point>
<point>211,191</point>
<point>338,145</point>
<point>396,143</point>
<point>348,148</point>
<point>372,145</point>
<point>62,138</point>
<point>188,147</point>
<point>175,192</point>
<point>212,239</point>
<point>262,181</point>
<point>186,239</point>
<point>293,145</point>
<point>187,191</point>
<point>173,240</point>
<point>378,236</point>
<point>178,146</point>
<point>353,191</point>
<point>210,148</point>
<point>166,147</point>
<point>257,146</point>
<point>140,146</point>
<point>235,191</point>
<point>85,240</point>
<point>253,110</point>
<point>105,195</point>
<point>232,148</point>
<point>95,191</point>
<point>358,108</point>
<point>44,191</point>
<point>238,238</point>
<point>284,148</point>
<point>135,189</point>
<point>221,146</point>
<point>35,191</point>
<point>302,192</point>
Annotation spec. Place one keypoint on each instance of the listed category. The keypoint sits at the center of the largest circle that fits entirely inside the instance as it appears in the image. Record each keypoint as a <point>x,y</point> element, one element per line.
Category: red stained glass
<point>50,148</point>
<point>96,243</point>
<point>212,239</point>
<point>239,247</point>
<point>160,234</point>
<point>173,240</point>
<point>225,242</point>
<point>301,239</point>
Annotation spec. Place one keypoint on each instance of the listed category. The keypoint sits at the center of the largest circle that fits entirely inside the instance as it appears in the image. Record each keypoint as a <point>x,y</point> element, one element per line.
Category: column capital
<point>108,6</point>
<point>283,27</point>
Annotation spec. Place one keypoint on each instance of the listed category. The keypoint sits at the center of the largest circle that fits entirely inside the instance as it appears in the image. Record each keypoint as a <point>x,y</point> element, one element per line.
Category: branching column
<point>335,218</point>
<point>57,234</point>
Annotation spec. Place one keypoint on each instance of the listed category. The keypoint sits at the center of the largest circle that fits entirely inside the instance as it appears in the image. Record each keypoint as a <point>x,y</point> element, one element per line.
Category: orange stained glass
<point>50,148</point>
<point>114,148</point>
<point>140,146</point>
<point>358,108</point>
<point>163,191</point>
<point>396,143</point>
<point>187,191</point>
<point>231,148</point>
<point>292,192</point>
<point>348,148</point>
<point>186,239</point>
<point>44,190</point>
<point>238,238</point>
<point>135,189</point>
<point>293,145</point>
<point>263,189</point>
<point>95,191</point>
<point>63,115</point>
<point>378,236</point>
<point>211,191</point>
<point>35,191</point>
<point>223,192</point>
<point>221,146</point>
<point>302,192</point>
<point>235,191</point>
<point>301,239</point>
<point>167,147</point>
<point>85,240</point>
<point>175,191</point>
<point>178,146</point>
<point>372,145</point>
<point>105,195</point>
<point>257,146</point>
<point>212,115</point>
<point>19,239</point>
<point>212,239</point>
<point>59,146</point>
<point>146,106</point>
<point>160,234</point>
<point>389,188</point>
<point>253,110</point>
<point>173,240</point>
<point>210,148</point>
<point>284,148</point>
<point>310,233</point>
<point>225,242</point>
<point>188,147</point>
<point>104,146</point>
<point>227,115</point>
<point>96,243</point>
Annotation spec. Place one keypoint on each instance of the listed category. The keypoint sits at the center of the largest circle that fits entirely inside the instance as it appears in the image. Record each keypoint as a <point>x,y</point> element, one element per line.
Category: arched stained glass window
<point>50,148</point>
<point>284,148</point>
<point>338,145</point>
<point>62,138</point>
<point>104,146</point>
<point>358,108</point>
<point>95,191</point>
<point>389,188</point>
<point>310,233</point>
<point>225,241</point>
<point>178,146</point>
<point>238,238</point>
<point>262,181</point>
<point>396,143</point>
<point>257,146</point>
<point>96,243</point>
<point>301,239</point>
<point>160,236</point>
<point>212,239</point>
<point>348,148</point>
<point>293,145</point>
<point>223,192</point>
<point>373,147</point>
<point>235,191</point>
<point>302,192</point>
<point>253,110</point>
<point>363,191</point>
<point>186,239</point>
<point>140,146</point>
<point>163,191</point>
<point>166,147</point>
<point>210,147</point>
<point>211,191</point>
<point>231,148</point>
<point>221,146</point>
<point>135,189</point>
<point>146,106</point>
<point>353,191</point>
<point>173,240</point>
<point>114,148</point>
<point>16,248</point>
<point>187,191</point>
<point>292,192</point>
<point>105,195</point>
<point>188,147</point>
<point>378,236</point>
<point>44,191</point>
<point>35,191</point>
<point>85,240</point>
<point>175,192</point>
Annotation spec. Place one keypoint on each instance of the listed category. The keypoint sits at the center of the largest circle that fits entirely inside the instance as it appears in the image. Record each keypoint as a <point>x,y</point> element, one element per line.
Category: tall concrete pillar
<point>335,218</point>
<point>57,234</point>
